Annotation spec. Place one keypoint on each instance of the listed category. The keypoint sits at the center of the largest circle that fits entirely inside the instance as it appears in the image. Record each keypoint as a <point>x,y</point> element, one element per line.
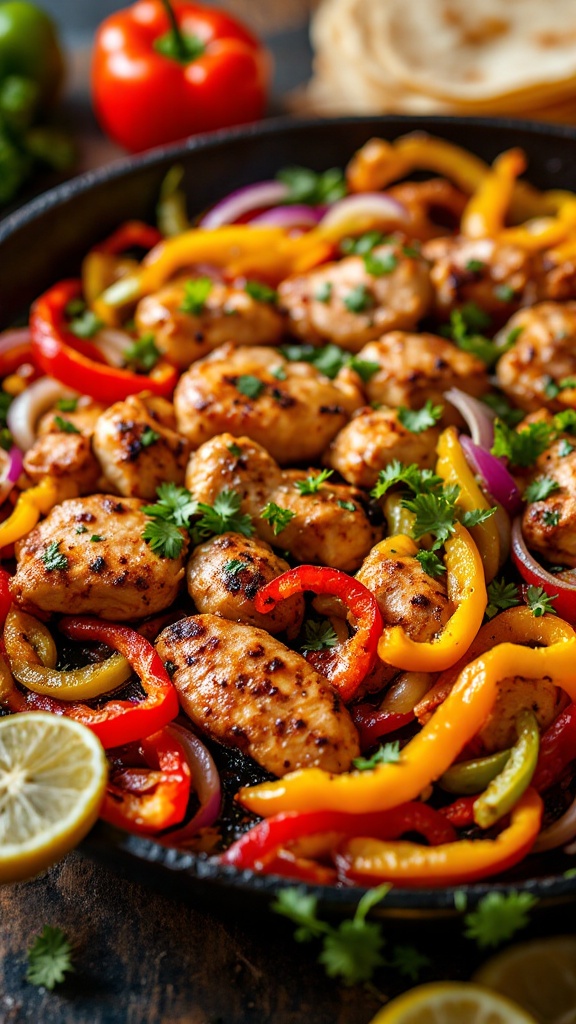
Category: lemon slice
<point>540,975</point>
<point>53,775</point>
<point>452,1002</point>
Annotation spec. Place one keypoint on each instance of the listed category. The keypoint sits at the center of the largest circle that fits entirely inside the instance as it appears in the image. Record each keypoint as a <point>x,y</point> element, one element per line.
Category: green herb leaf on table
<point>49,958</point>
<point>498,917</point>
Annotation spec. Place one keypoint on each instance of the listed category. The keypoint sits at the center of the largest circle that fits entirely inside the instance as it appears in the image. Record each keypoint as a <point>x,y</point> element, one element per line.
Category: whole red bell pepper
<point>352,661</point>
<point>75,363</point>
<point>153,796</point>
<point>164,71</point>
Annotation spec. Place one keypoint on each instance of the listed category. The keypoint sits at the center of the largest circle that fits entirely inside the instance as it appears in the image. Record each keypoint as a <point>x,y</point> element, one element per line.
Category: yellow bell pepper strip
<point>470,777</point>
<point>453,467</point>
<point>466,589</point>
<point>505,790</point>
<point>487,208</point>
<point>370,861</point>
<point>32,655</point>
<point>436,746</point>
<point>31,504</point>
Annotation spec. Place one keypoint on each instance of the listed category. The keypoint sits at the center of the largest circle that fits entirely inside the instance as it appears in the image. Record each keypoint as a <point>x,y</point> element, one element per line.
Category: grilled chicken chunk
<point>246,689</point>
<point>65,456</point>
<point>543,357</point>
<point>138,447</point>
<point>88,557</point>
<point>227,314</point>
<point>480,270</point>
<point>348,304</point>
<point>372,439</point>
<point>329,527</point>
<point>84,418</point>
<point>417,367</point>
<point>225,574</point>
<point>549,525</point>
<point>290,408</point>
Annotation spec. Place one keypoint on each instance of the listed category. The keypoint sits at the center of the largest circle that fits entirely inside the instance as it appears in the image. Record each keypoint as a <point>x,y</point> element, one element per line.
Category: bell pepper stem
<point>179,44</point>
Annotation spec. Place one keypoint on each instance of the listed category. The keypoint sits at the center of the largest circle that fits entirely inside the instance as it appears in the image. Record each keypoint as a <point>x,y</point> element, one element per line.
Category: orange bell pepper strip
<point>453,467</point>
<point>466,589</point>
<point>487,208</point>
<point>31,504</point>
<point>436,746</point>
<point>370,861</point>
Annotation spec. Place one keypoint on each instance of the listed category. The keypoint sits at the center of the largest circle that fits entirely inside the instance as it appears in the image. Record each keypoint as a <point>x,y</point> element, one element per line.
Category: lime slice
<point>53,774</point>
<point>452,1002</point>
<point>540,975</point>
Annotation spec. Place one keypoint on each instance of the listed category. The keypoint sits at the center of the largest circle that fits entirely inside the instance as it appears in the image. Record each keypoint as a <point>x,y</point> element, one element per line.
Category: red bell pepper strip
<point>132,234</point>
<point>461,812</point>
<point>286,865</point>
<point>15,350</point>
<point>372,723</point>
<point>148,799</point>
<point>5,596</point>
<point>60,354</point>
<point>118,721</point>
<point>354,659</point>
<point>557,750</point>
<point>269,836</point>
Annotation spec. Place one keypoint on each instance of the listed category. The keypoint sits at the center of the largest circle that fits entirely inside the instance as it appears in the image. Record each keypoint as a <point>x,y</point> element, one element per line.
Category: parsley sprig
<point>175,511</point>
<point>49,958</point>
<point>523,447</point>
<point>418,420</point>
<point>431,563</point>
<point>313,483</point>
<point>277,517</point>
<point>222,516</point>
<point>498,917</point>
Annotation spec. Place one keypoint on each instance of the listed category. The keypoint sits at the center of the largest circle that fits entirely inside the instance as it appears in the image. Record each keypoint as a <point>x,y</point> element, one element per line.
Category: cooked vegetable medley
<point>303,477</point>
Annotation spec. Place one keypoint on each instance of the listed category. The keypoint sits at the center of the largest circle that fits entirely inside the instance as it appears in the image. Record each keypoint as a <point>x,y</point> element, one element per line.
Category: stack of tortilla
<point>496,57</point>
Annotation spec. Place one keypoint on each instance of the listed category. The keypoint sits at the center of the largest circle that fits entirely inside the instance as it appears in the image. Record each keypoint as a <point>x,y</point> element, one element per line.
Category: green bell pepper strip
<point>506,788</point>
<point>29,49</point>
<point>469,777</point>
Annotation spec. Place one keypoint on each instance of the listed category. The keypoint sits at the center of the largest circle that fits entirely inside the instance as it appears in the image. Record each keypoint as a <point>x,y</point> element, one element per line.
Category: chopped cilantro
<point>363,244</point>
<point>196,291</point>
<point>149,437</point>
<point>65,425</point>
<point>260,292</point>
<point>434,513</point>
<point>309,187</point>
<point>175,504</point>
<point>143,354</point>
<point>539,601</point>
<point>387,753</point>
<point>75,307</point>
<point>323,292</point>
<point>498,916</point>
<point>565,422</point>
<point>412,251</point>
<point>565,448</point>
<point>235,450</point>
<point>521,447</point>
<point>462,332</point>
<point>348,506</point>
<point>67,404</point>
<point>501,595</point>
<point>476,516</point>
<point>378,266</point>
<point>359,299</point>
<point>365,368</point>
<point>431,563</point>
<point>417,420</point>
<point>81,529</point>
<point>550,517</point>
<point>164,537</point>
<point>475,266</point>
<point>313,483</point>
<point>52,557</point>
<point>49,958</point>
<point>318,636</point>
<point>96,538</point>
<point>511,417</point>
<point>235,566</point>
<point>222,516</point>
<point>504,292</point>
<point>396,472</point>
<point>249,385</point>
<point>279,373</point>
<point>86,325</point>
<point>541,489</point>
<point>277,517</point>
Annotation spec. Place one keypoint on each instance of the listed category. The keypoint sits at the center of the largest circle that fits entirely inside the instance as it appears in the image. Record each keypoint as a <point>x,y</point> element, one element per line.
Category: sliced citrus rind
<point>540,975</point>
<point>452,1002</point>
<point>53,774</point>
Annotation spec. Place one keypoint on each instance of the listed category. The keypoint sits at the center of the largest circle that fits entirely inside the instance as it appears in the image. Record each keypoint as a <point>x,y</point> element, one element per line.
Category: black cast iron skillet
<point>46,240</point>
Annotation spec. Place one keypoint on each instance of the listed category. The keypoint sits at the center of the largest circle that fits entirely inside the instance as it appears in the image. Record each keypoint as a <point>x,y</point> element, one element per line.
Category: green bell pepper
<point>29,49</point>
<point>506,789</point>
<point>469,777</point>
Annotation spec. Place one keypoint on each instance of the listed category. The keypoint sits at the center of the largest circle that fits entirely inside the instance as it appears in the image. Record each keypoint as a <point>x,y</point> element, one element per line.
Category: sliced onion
<point>478,416</point>
<point>10,469</point>
<point>294,216</point>
<point>206,782</point>
<point>497,480</point>
<point>362,212</point>
<point>534,573</point>
<point>562,831</point>
<point>243,201</point>
<point>406,692</point>
<point>13,338</point>
<point>112,343</point>
<point>27,408</point>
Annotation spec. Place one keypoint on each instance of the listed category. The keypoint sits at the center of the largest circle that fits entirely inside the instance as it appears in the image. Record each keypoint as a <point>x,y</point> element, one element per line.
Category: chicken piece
<point>554,275</point>
<point>549,525</point>
<point>372,439</point>
<point>138,448</point>
<point>225,574</point>
<point>544,356</point>
<point>320,531</point>
<point>228,314</point>
<point>84,418</point>
<point>415,367</point>
<point>480,270</point>
<point>65,456</point>
<point>290,408</point>
<point>88,557</point>
<point>514,694</point>
<point>246,689</point>
<point>344,303</point>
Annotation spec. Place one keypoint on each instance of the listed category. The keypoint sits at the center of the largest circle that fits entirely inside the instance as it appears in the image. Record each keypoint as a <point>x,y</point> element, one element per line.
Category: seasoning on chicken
<point>88,557</point>
<point>493,276</point>
<point>63,455</point>
<point>417,367</point>
<point>137,446</point>
<point>289,407</point>
<point>358,298</point>
<point>329,526</point>
<point>185,330</point>
<point>537,370</point>
<point>372,439</point>
<point>549,523</point>
<point>225,574</point>
<point>245,689</point>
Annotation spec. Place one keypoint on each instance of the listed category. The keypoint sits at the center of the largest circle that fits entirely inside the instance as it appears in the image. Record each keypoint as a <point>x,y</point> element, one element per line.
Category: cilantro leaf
<point>409,961</point>
<point>249,386</point>
<point>475,266</point>
<point>164,537</point>
<point>323,292</point>
<point>67,404</point>
<point>501,595</point>
<point>476,516</point>
<point>149,437</point>
<point>504,292</point>
<point>143,354</point>
<point>505,412</point>
<point>49,958</point>
<point>277,517</point>
<point>309,187</point>
<point>540,602</point>
<point>348,506</point>
<point>86,325</point>
<point>260,292</point>
<point>53,558</point>
<point>359,299</point>
<point>299,907</point>
<point>235,566</point>
<point>175,504</point>
<point>235,450</point>
<point>417,420</point>
<point>565,448</point>
<point>221,517</point>
<point>378,266</point>
<point>541,489</point>
<point>387,753</point>
<point>313,483</point>
<point>318,636</point>
<point>551,517</point>
<point>565,421</point>
<point>196,291</point>
<point>279,373</point>
<point>463,330</point>
<point>362,244</point>
<point>498,917</point>
<point>329,360</point>
<point>397,472</point>
<point>434,513</point>
<point>521,447</point>
<point>65,425</point>
<point>365,368</point>
<point>431,563</point>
